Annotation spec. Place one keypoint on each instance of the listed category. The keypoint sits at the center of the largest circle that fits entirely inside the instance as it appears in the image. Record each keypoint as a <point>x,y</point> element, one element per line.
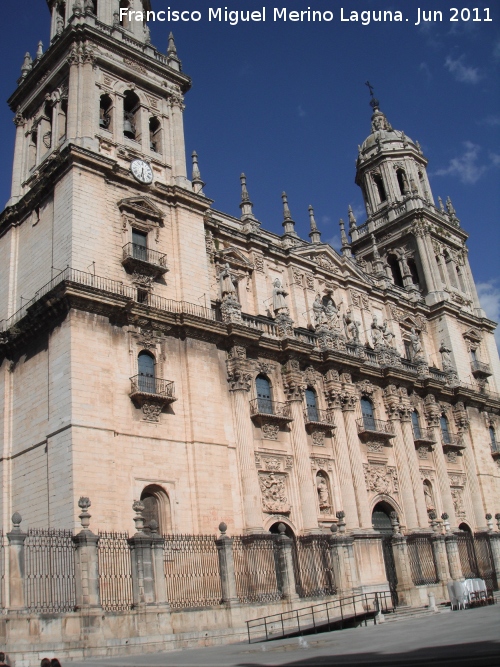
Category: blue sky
<point>286,103</point>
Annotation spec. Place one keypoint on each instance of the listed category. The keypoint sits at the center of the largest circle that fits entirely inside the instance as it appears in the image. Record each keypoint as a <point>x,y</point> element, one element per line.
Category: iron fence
<point>192,571</point>
<point>256,568</point>
<point>422,561</point>
<point>312,560</point>
<point>467,555</point>
<point>484,560</point>
<point>3,556</point>
<point>115,571</point>
<point>50,570</point>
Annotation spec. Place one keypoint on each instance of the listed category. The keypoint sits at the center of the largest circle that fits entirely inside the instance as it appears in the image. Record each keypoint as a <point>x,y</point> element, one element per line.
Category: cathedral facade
<point>175,354</point>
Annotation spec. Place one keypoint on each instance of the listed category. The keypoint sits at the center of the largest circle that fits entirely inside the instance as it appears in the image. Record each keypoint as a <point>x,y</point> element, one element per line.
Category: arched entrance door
<point>381,520</point>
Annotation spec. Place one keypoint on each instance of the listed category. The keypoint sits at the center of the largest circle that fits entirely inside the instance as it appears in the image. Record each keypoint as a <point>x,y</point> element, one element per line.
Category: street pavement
<point>468,638</point>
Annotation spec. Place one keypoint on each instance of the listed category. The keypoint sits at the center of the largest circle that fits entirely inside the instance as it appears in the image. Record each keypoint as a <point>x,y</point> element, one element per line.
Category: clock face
<point>142,171</point>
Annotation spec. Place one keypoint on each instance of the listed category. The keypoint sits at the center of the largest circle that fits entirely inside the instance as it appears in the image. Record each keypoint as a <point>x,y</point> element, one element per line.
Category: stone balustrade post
<point>494,539</point>
<point>343,561</point>
<point>224,545</point>
<point>285,564</point>
<point>158,558</point>
<point>16,564</point>
<point>451,543</point>
<point>402,564</point>
<point>439,551</point>
<point>86,561</point>
<point>143,585</point>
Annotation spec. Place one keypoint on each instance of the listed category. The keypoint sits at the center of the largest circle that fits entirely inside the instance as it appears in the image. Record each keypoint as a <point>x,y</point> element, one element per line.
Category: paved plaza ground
<point>463,638</point>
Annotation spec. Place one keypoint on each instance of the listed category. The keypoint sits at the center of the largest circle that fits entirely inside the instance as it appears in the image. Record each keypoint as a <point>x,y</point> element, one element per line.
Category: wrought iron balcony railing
<point>423,435</point>
<point>135,255</point>
<point>144,385</point>
<point>452,440</point>
<point>480,369</point>
<point>315,416</point>
<point>263,409</point>
<point>377,427</point>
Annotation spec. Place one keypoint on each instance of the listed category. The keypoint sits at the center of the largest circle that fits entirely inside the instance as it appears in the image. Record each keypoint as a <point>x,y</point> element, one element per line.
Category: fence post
<point>158,549</point>
<point>494,539</point>
<point>402,563</point>
<point>452,553</point>
<point>16,564</point>
<point>342,551</point>
<point>439,549</point>
<point>86,561</point>
<point>143,585</point>
<point>226,563</point>
<point>285,561</point>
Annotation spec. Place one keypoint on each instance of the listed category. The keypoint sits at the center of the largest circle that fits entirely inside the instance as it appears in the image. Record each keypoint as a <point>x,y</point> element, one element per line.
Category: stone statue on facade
<point>416,345</point>
<point>230,307</point>
<point>387,335</point>
<point>323,494</point>
<point>377,333</point>
<point>279,298</point>
<point>332,313</point>
<point>227,286</point>
<point>446,357</point>
<point>318,312</point>
<point>353,332</point>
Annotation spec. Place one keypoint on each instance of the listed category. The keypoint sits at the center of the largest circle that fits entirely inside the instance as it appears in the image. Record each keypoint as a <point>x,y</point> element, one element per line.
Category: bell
<point>128,129</point>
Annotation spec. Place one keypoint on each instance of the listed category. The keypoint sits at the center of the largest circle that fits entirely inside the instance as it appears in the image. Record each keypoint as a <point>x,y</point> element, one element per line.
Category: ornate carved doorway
<point>381,520</point>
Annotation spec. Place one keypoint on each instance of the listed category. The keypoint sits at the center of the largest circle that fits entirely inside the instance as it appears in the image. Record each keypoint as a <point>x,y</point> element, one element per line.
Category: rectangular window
<point>139,245</point>
<point>408,350</point>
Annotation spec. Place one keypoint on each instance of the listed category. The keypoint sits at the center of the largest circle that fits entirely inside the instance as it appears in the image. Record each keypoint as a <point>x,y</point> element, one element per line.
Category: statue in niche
<point>353,331</point>
<point>416,345</point>
<point>377,332</point>
<point>319,312</point>
<point>387,335</point>
<point>446,357</point>
<point>429,498</point>
<point>279,298</point>
<point>332,313</point>
<point>323,493</point>
<point>227,286</point>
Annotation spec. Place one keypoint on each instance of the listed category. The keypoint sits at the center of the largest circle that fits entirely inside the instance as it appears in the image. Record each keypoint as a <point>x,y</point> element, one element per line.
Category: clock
<point>142,171</point>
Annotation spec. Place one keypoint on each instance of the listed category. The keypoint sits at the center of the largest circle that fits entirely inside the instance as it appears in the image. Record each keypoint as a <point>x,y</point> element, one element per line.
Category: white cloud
<point>495,159</point>
<point>491,121</point>
<point>462,72</point>
<point>465,166</point>
<point>489,296</point>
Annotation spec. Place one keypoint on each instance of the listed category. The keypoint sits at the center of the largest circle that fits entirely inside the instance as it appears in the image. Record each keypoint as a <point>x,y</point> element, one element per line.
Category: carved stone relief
<point>318,438</point>
<point>151,412</point>
<point>360,300</point>
<point>381,478</point>
<point>423,452</point>
<point>321,463</point>
<point>272,463</point>
<point>273,489</point>
<point>270,431</point>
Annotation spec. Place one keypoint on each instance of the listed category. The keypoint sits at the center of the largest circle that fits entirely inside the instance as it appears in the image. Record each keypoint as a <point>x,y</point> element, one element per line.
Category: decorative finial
<point>77,7</point>
<point>84,504</point>
<point>334,528</point>
<point>16,520</point>
<point>138,507</point>
<point>346,246</point>
<point>153,526</point>
<point>89,6</point>
<point>352,219</point>
<point>222,528</point>
<point>246,205</point>
<point>281,529</point>
<point>341,523</point>
<point>27,65</point>
<point>116,19</point>
<point>314,234</point>
<point>196,181</point>
<point>395,524</point>
<point>497,517</point>
<point>288,222</point>
<point>172,50</point>
<point>376,254</point>
<point>451,212</point>
<point>374,103</point>
<point>489,522</point>
<point>441,205</point>
<point>39,51</point>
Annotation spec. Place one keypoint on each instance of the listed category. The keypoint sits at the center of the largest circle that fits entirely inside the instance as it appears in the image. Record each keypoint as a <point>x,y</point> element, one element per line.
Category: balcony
<point>423,436</point>
<point>147,389</point>
<point>452,441</point>
<point>480,369</point>
<point>264,411</point>
<point>138,258</point>
<point>374,429</point>
<point>318,420</point>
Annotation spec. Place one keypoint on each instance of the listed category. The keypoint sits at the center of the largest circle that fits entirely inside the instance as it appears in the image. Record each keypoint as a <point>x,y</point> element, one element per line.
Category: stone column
<point>16,564</point>
<point>18,165</point>
<point>349,404</point>
<point>430,282</point>
<point>73,92</point>
<point>239,385</point>
<point>89,108</point>
<point>143,586</point>
<point>402,564</point>
<point>413,467</point>
<point>86,561</point>
<point>452,552</point>
<point>177,139</point>
<point>342,462</point>
<point>158,558</point>
<point>226,563</point>
<point>307,491</point>
<point>285,564</point>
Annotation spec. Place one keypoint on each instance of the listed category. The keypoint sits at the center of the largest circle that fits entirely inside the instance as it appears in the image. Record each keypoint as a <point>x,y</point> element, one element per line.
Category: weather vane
<point>374,103</point>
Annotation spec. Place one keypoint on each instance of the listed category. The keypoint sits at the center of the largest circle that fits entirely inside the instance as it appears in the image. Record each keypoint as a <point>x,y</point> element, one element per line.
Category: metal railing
<point>264,406</point>
<point>50,570</point>
<point>115,571</point>
<point>315,415</point>
<point>312,560</point>
<point>422,561</point>
<point>374,425</point>
<point>424,434</point>
<point>144,384</point>
<point>339,613</point>
<point>142,254</point>
<point>451,439</point>
<point>192,571</point>
<point>480,367</point>
<point>256,568</point>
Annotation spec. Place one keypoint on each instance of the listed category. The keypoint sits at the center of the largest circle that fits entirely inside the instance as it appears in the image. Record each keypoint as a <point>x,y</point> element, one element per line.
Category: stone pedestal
<point>226,563</point>
<point>285,564</point>
<point>143,585</point>
<point>453,557</point>
<point>16,565</point>
<point>405,587</point>
<point>86,561</point>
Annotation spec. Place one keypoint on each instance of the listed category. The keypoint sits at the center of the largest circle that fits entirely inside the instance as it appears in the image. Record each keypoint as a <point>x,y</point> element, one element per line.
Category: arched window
<point>131,105</point>
<point>311,405</point>
<point>367,414</point>
<point>413,271</point>
<point>415,422</point>
<point>379,184</point>
<point>397,277</point>
<point>264,396</point>
<point>441,272</point>
<point>157,508</point>
<point>461,280</point>
<point>493,440</point>
<point>450,267</point>
<point>155,135</point>
<point>33,149</point>
<point>105,112</point>
<point>421,181</point>
<point>124,21</point>
<point>445,429</point>
<point>46,125</point>
<point>146,368</point>
<point>402,182</point>
<point>63,120</point>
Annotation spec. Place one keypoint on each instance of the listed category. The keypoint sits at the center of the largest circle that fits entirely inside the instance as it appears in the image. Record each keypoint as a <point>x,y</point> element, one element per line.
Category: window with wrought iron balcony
<point>263,409</point>
<point>315,418</point>
<point>138,257</point>
<point>479,368</point>
<point>495,445</point>
<point>146,387</point>
<point>449,440</point>
<point>421,435</point>
<point>371,428</point>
